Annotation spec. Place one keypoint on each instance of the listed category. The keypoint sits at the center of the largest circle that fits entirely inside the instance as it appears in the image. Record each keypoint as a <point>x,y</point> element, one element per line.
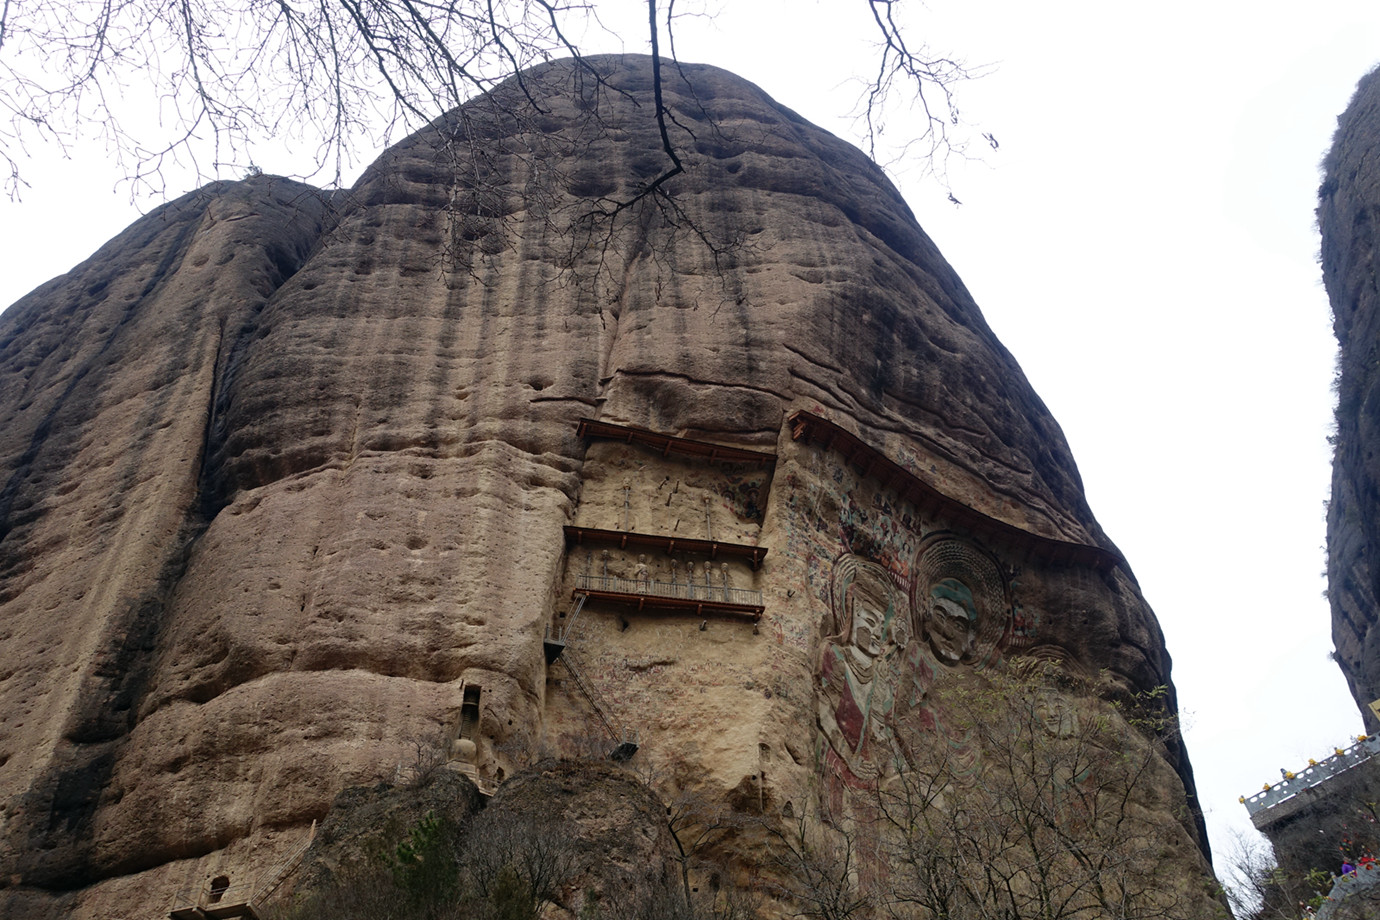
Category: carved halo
<point>960,604</point>
<point>853,574</point>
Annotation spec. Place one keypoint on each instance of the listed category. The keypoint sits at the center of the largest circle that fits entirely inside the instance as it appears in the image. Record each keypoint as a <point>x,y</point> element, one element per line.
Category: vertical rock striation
<point>295,483</point>
<point>1348,209</point>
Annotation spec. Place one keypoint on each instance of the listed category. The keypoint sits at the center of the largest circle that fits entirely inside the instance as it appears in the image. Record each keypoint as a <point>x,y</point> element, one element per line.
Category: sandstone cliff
<point>1349,204</point>
<point>294,482</point>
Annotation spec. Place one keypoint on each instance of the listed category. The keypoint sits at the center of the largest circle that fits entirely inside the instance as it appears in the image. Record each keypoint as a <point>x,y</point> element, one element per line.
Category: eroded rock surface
<point>367,822</point>
<point>1349,206</point>
<point>285,479</point>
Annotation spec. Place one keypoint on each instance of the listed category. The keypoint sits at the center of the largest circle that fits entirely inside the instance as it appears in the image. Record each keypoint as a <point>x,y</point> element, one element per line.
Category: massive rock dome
<point>493,455</point>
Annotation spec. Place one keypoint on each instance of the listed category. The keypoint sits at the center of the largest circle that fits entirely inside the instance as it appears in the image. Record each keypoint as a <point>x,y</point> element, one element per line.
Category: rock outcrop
<point>292,482</point>
<point>1348,209</point>
<point>593,838</point>
<point>365,822</point>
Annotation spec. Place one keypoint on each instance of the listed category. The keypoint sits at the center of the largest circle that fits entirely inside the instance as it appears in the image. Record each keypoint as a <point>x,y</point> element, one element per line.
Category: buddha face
<point>871,603</point>
<point>951,622</point>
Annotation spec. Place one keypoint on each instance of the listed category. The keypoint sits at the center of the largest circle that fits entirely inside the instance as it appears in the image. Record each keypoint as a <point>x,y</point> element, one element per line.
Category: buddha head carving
<point>959,601</point>
<point>951,621</point>
<point>867,602</point>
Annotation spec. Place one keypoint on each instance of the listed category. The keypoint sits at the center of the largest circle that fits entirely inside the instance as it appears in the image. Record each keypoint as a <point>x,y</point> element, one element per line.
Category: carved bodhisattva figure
<point>858,668</point>
<point>885,646</point>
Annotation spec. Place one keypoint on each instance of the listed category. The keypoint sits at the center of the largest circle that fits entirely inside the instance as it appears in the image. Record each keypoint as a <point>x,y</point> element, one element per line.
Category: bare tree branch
<point>230,73</point>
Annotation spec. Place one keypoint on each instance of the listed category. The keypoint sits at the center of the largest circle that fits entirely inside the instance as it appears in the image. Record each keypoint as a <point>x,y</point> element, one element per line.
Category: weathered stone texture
<point>283,474</point>
<point>1348,209</point>
<point>366,821</point>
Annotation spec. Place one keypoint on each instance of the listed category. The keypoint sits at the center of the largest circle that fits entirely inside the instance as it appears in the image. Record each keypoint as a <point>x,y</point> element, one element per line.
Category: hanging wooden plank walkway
<point>627,539</point>
<point>687,597</point>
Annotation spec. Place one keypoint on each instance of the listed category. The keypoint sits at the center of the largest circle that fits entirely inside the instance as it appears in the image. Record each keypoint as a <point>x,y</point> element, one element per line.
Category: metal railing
<point>242,899</point>
<point>562,634</point>
<point>626,741</point>
<point>682,590</point>
<point>235,900</point>
<point>1313,775</point>
<point>284,869</point>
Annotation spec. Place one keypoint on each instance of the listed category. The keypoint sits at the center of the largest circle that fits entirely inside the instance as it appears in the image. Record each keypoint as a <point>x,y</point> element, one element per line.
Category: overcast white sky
<point>1143,242</point>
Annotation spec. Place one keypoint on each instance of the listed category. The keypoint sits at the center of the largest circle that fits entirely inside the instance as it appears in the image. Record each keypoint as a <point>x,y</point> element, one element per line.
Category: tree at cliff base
<point>1040,806</point>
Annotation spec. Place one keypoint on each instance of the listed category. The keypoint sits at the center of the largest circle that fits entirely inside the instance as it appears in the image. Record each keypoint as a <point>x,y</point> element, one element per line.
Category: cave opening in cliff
<point>469,712</point>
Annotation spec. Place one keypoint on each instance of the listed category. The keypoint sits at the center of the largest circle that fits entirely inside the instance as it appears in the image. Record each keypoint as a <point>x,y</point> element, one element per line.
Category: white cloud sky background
<point>1143,242</point>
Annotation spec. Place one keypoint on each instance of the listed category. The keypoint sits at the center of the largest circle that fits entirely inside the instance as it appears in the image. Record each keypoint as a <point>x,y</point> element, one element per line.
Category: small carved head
<point>952,620</point>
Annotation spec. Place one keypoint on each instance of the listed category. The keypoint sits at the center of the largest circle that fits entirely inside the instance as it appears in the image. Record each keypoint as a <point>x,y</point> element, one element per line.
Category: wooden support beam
<point>624,539</point>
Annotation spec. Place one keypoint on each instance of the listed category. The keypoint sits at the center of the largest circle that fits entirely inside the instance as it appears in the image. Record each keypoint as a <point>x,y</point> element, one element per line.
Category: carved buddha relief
<point>959,599</point>
<point>867,630</point>
<point>886,642</point>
